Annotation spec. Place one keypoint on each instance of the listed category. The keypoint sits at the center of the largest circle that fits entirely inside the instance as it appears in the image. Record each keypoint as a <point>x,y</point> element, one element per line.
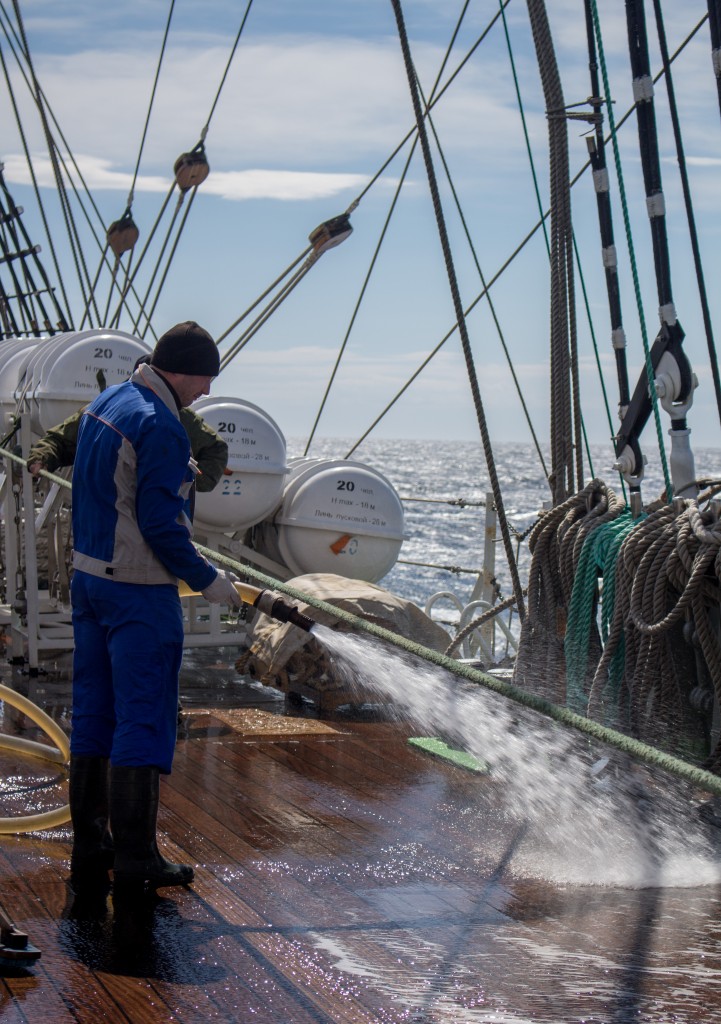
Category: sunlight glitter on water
<point>587,815</point>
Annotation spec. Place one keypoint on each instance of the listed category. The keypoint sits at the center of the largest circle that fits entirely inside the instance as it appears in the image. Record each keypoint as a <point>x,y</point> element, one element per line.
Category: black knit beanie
<point>187,348</point>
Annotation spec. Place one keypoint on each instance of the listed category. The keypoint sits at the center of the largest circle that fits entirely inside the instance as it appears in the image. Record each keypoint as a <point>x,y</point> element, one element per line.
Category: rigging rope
<point>11,251</point>
<point>519,248</point>
<point>36,188</point>
<point>70,227</point>
<point>156,267</point>
<point>65,322</point>
<point>130,279</point>
<point>629,241</point>
<point>131,194</point>
<point>597,153</point>
<point>150,105</point>
<point>428,104</point>
<point>714,21</point>
<point>458,308</point>
<point>683,173</point>
<point>173,248</point>
<point>188,207</point>
<point>270,308</point>
<point>380,241</point>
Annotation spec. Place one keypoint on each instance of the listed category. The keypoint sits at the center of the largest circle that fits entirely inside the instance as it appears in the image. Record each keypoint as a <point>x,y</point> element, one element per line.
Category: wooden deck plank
<point>251,764</point>
<point>272,896</point>
<point>230,757</point>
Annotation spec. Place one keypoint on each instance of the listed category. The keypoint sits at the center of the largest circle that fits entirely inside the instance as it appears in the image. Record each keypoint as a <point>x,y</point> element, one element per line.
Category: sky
<point>315,101</point>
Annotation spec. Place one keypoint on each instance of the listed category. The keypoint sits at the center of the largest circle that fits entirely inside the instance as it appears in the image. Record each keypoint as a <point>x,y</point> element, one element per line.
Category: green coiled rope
<point>598,556</point>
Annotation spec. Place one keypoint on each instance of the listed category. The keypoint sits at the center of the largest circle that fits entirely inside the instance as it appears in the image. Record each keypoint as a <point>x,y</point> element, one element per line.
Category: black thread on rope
<point>597,154</point>
<point>648,144</point>
<point>693,236</point>
<point>458,305</point>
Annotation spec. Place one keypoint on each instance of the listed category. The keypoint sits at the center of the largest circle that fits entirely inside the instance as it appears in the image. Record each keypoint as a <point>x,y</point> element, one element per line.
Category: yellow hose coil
<point>59,754</point>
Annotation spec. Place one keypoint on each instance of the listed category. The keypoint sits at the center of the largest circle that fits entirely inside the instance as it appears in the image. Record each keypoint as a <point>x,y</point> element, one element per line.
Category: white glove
<point>222,590</point>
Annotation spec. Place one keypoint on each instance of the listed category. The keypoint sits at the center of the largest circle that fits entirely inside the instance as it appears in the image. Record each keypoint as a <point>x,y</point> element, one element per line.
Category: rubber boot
<point>134,797</point>
<point>92,854</point>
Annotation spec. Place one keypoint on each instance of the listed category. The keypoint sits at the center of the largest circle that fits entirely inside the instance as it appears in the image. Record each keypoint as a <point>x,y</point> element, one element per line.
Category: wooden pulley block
<point>122,235</point>
<point>191,169</point>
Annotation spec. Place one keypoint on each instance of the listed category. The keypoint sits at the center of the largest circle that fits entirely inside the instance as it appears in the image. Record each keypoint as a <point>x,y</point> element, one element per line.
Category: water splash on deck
<point>591,816</point>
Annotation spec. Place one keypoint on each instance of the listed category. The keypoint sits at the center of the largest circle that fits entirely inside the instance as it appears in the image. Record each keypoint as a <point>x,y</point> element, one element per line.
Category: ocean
<point>440,534</point>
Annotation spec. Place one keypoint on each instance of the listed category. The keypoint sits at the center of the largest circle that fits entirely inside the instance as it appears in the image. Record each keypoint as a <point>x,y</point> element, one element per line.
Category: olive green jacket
<point>57,447</point>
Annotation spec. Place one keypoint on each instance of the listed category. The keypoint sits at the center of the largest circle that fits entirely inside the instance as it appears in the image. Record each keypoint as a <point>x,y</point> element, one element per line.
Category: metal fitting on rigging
<point>330,233</point>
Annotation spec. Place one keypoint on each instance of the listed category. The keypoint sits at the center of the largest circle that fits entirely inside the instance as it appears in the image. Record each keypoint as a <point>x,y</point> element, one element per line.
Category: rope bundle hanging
<point>623,618</point>
<point>556,543</point>
<point>661,666</point>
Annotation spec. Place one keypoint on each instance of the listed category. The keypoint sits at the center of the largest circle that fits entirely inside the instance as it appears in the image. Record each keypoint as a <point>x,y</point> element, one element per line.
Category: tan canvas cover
<point>284,656</point>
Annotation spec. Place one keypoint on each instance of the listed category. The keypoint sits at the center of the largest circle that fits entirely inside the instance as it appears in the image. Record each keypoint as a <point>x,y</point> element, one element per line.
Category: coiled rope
<point>667,594</point>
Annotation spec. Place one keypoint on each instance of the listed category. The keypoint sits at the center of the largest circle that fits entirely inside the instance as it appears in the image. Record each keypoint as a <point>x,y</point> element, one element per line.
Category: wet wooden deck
<point>342,876</point>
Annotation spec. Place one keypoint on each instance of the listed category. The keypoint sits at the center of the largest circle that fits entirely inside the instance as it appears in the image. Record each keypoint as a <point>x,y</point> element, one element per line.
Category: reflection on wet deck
<point>343,876</point>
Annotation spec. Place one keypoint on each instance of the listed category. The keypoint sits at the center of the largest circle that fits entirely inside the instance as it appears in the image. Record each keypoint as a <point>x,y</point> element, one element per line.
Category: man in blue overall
<point>132,543</point>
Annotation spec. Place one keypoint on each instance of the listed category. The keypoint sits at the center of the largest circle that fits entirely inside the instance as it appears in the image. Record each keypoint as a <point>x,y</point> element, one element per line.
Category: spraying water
<point>589,816</point>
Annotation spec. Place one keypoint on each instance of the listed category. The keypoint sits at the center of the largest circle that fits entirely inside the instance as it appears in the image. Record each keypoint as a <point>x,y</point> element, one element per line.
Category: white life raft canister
<point>337,516</point>
<point>66,372</point>
<point>256,462</point>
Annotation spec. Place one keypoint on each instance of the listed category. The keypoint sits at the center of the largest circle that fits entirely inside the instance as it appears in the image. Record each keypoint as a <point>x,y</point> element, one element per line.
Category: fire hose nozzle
<point>275,607</point>
<point>266,601</point>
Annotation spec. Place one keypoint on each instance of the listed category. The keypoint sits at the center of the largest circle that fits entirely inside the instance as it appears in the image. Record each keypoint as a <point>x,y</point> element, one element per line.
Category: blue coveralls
<point>132,542</point>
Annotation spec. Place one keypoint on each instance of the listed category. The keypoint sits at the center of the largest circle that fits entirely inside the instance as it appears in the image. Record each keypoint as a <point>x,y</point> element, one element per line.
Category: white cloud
<point>285,185</point>
<point>289,103</point>
<point>99,175</point>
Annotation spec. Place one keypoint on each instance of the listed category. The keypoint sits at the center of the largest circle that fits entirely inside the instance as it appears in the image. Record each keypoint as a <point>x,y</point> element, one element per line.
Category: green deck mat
<point>438,748</point>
